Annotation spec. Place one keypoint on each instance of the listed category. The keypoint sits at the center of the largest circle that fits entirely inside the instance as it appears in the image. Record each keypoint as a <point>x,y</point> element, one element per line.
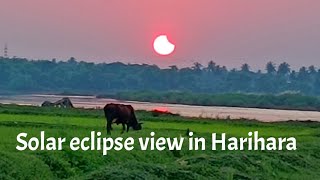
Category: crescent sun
<point>163,46</point>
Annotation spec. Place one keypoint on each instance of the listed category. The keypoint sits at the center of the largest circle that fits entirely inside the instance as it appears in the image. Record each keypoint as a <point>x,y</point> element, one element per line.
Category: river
<point>265,115</point>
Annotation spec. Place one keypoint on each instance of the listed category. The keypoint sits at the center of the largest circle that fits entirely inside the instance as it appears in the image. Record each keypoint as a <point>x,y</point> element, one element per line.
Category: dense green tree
<point>22,75</point>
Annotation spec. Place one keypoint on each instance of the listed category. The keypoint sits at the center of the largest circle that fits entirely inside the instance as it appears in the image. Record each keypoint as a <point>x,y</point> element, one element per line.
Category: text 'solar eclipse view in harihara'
<point>164,89</point>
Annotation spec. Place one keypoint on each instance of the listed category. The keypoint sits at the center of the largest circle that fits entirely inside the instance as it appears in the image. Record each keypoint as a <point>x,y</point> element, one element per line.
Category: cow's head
<point>137,126</point>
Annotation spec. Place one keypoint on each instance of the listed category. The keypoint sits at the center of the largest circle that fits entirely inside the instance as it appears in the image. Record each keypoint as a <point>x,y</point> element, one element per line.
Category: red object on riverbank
<point>161,110</point>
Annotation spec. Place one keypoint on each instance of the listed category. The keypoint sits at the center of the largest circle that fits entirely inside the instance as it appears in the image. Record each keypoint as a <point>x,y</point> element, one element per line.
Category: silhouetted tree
<point>284,68</point>
<point>245,67</point>
<point>174,68</point>
<point>197,67</point>
<point>72,60</point>
<point>211,66</point>
<point>303,73</point>
<point>271,68</point>
<point>312,69</point>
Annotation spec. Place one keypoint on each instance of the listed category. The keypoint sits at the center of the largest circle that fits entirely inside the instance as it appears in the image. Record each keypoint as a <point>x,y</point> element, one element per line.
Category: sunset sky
<point>229,32</point>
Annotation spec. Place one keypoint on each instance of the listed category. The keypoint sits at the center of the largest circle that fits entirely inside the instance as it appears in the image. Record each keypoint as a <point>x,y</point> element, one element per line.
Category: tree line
<point>52,76</point>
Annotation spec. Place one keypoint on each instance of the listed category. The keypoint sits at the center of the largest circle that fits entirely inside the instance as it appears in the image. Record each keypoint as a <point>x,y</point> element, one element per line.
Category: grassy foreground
<point>304,163</point>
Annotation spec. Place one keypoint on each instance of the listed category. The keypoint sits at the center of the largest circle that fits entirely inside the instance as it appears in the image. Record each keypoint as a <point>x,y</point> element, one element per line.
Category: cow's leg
<point>128,127</point>
<point>123,128</point>
<point>109,127</point>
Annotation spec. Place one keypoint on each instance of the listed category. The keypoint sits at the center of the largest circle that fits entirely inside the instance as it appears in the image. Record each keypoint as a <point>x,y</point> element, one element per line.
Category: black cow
<point>121,114</point>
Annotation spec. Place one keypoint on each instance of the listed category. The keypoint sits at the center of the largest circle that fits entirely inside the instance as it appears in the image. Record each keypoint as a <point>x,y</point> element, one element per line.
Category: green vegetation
<point>25,76</point>
<point>304,163</point>
<point>281,101</point>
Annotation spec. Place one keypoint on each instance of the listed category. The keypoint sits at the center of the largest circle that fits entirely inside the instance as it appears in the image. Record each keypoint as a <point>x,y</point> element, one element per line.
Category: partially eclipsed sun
<point>162,45</point>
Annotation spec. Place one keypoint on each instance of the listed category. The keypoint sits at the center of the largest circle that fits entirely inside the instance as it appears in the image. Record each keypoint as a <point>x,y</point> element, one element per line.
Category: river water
<point>265,115</point>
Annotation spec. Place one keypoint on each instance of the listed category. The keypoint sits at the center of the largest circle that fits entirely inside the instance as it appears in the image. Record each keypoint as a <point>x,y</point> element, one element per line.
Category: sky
<point>229,32</point>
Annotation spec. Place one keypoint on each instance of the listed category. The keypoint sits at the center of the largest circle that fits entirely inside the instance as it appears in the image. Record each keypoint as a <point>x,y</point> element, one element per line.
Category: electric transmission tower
<point>5,50</point>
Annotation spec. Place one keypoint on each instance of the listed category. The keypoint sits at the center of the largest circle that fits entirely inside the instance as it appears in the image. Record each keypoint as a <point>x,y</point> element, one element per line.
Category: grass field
<point>304,163</point>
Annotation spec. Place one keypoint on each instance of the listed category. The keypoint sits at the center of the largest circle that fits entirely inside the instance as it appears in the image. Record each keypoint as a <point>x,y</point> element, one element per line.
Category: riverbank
<point>284,101</point>
<point>214,112</point>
